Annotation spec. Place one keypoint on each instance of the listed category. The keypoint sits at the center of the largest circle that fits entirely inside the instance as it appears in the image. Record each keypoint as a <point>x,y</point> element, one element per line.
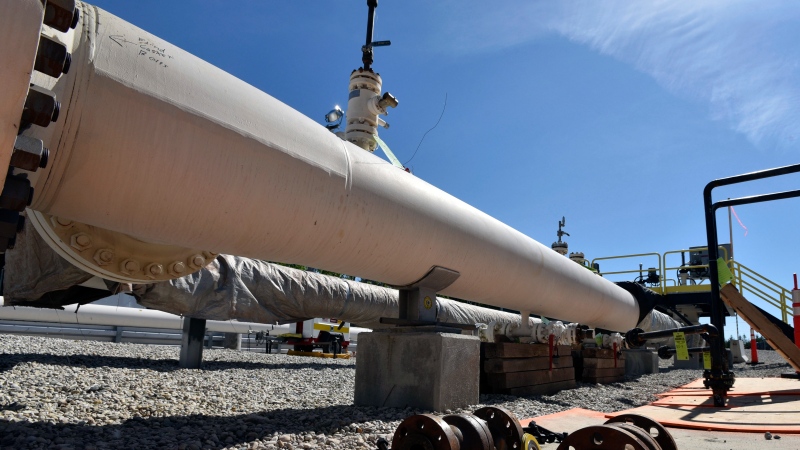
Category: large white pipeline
<point>158,145</point>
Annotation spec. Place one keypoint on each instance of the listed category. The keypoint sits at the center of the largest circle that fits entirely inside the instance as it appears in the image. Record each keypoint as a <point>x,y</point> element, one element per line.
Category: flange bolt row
<point>52,57</point>
<point>61,14</point>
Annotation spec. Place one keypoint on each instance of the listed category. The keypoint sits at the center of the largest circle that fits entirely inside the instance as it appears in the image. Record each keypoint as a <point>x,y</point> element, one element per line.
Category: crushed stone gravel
<point>77,394</point>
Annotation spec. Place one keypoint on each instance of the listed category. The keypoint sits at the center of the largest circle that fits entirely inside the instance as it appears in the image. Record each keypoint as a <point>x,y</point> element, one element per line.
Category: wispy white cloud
<point>741,57</point>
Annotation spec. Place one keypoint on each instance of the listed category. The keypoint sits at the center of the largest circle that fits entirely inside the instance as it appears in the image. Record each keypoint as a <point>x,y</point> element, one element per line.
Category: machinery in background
<point>562,248</point>
<point>332,336</point>
<point>696,271</point>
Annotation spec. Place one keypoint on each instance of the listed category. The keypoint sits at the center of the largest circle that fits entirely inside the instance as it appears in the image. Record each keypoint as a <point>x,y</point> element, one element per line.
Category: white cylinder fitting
<point>160,145</point>
<point>362,110</point>
<point>614,338</point>
<point>536,332</point>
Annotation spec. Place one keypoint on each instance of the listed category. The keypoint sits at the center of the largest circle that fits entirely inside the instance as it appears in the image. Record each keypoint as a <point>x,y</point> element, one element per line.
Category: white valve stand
<point>362,114</point>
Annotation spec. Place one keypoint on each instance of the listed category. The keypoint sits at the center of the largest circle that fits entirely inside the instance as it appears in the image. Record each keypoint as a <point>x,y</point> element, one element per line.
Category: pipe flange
<point>424,431</point>
<point>475,433</point>
<point>651,427</point>
<point>116,256</point>
<point>602,437</point>
<point>506,430</point>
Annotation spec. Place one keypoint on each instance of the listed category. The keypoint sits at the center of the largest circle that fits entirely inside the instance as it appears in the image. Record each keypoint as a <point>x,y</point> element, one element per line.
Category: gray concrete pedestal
<point>640,361</point>
<point>425,370</point>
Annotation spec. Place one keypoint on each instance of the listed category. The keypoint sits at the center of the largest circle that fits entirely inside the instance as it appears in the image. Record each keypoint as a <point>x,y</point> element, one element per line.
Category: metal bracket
<point>418,300</point>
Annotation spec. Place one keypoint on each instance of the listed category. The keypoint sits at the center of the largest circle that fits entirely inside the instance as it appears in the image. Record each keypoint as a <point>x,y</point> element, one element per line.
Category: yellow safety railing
<point>636,271</point>
<point>678,287</point>
<point>748,280</point>
<point>744,278</point>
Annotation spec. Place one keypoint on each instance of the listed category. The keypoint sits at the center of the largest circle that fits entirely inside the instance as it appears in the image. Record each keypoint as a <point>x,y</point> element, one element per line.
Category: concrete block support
<point>194,331</point>
<point>639,362</point>
<point>426,370</point>
<point>737,352</point>
<point>232,341</point>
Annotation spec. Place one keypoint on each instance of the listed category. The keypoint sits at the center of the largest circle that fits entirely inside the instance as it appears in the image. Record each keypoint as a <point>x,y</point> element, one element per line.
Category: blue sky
<point>614,114</point>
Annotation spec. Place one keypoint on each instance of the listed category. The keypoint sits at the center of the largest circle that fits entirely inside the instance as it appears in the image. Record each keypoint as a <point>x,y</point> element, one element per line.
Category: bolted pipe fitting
<point>41,107</point>
<point>129,267</point>
<point>177,269</point>
<point>52,57</point>
<point>387,100</point>
<point>196,261</point>
<point>80,241</point>
<point>17,193</point>
<point>29,154</point>
<point>104,256</point>
<point>153,271</point>
<point>488,428</point>
<point>61,14</point>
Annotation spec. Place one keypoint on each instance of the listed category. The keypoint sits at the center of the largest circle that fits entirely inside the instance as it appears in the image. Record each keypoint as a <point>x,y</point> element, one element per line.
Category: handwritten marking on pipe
<point>153,52</point>
<point>681,349</point>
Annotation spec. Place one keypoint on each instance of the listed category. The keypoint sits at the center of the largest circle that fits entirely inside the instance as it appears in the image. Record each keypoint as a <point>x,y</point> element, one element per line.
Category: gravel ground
<point>61,394</point>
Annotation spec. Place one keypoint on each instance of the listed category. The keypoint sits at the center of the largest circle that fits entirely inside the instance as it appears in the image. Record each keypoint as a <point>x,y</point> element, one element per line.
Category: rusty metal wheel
<point>640,433</point>
<point>424,432</point>
<point>472,432</point>
<point>655,429</point>
<point>505,428</point>
<point>602,437</point>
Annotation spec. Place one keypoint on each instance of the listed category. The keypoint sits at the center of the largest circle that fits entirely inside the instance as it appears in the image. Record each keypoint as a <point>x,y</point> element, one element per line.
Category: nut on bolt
<point>29,154</point>
<point>177,269</point>
<point>104,256</point>
<point>80,241</point>
<point>60,222</point>
<point>41,107</point>
<point>129,267</point>
<point>153,271</point>
<point>197,261</point>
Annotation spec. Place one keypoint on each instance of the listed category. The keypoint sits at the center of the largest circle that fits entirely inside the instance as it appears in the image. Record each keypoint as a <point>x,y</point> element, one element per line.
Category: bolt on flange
<point>80,241</point>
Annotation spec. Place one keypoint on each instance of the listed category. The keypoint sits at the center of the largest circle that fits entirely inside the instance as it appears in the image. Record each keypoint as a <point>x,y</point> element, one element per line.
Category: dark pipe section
<point>667,352</point>
<point>637,337</point>
<point>366,58</point>
<point>645,298</point>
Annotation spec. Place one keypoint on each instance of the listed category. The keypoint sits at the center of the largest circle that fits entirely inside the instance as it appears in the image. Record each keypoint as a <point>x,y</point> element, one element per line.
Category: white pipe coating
<point>160,145</point>
<point>125,317</point>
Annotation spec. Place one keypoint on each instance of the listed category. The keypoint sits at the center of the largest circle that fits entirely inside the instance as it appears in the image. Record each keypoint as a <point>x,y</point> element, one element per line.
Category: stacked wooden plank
<point>525,369</point>
<point>600,366</point>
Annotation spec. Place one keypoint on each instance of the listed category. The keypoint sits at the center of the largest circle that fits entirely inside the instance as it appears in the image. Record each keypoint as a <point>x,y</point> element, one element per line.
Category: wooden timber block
<point>514,350</point>
<point>534,377</point>
<point>594,352</point>
<point>602,363</point>
<point>500,365</point>
<point>539,389</point>
<point>602,373</point>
